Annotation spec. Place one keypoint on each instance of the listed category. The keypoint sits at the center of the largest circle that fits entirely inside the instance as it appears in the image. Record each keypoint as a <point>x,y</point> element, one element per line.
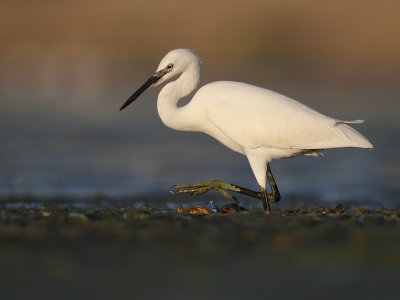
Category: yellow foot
<point>205,186</point>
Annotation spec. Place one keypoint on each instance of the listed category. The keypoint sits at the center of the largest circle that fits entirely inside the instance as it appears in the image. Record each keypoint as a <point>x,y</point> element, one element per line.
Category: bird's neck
<point>175,117</point>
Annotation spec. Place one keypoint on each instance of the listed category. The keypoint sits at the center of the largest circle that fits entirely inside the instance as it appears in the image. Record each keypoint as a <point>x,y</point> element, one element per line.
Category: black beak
<point>148,84</point>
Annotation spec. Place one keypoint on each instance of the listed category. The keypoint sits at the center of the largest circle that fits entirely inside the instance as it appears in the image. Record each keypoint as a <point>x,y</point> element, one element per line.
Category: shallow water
<point>76,146</point>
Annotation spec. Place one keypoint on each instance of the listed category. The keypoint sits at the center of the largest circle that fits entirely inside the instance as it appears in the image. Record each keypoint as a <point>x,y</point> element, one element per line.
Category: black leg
<point>264,199</point>
<point>275,196</point>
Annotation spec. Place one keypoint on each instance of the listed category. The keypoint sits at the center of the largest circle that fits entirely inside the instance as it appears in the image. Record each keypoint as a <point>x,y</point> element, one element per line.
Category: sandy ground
<point>118,251</point>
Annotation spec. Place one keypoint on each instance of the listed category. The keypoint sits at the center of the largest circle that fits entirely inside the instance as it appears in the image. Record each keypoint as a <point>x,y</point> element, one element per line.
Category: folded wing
<point>256,117</point>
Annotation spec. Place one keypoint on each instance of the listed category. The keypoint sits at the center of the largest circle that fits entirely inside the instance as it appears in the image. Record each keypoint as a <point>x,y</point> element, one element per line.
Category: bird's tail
<point>351,136</point>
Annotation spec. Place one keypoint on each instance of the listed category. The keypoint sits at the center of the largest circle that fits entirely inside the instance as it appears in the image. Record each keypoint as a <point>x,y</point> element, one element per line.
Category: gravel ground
<point>117,251</point>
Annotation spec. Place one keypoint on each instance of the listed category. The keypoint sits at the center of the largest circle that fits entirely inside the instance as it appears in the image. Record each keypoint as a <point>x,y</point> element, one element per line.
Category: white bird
<point>256,122</point>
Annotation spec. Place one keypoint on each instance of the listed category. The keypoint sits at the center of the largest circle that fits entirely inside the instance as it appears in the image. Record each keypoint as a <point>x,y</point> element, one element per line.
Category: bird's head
<point>173,64</point>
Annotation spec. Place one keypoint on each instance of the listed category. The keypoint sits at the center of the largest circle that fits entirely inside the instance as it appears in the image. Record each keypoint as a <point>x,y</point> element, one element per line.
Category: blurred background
<point>66,67</point>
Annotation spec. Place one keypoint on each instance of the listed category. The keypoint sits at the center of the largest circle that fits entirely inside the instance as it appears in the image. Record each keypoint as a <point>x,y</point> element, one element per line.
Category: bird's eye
<point>170,66</point>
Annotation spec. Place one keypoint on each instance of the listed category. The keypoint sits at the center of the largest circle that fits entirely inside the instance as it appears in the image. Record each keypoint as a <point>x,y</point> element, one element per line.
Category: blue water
<point>78,145</point>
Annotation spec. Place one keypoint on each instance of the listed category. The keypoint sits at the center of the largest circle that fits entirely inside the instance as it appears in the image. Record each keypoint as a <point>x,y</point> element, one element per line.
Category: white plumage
<point>259,123</point>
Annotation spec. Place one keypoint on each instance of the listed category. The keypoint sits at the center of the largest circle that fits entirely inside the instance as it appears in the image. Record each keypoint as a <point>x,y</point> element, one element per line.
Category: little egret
<point>256,122</point>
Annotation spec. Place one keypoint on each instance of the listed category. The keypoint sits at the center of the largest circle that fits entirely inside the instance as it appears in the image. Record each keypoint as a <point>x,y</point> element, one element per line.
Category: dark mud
<point>97,251</point>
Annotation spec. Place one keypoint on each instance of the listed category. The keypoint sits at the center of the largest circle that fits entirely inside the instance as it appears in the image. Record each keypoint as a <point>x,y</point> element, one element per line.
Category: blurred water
<point>78,144</point>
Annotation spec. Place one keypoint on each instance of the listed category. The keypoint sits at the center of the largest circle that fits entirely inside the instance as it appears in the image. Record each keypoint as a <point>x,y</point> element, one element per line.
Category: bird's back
<point>254,117</point>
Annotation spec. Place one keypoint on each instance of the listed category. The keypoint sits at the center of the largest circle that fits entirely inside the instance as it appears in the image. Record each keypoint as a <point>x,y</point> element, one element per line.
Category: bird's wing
<point>255,117</point>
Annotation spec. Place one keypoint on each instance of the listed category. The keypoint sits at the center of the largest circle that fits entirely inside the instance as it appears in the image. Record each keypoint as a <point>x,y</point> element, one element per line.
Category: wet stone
<point>75,215</point>
<point>229,208</point>
<point>360,211</point>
